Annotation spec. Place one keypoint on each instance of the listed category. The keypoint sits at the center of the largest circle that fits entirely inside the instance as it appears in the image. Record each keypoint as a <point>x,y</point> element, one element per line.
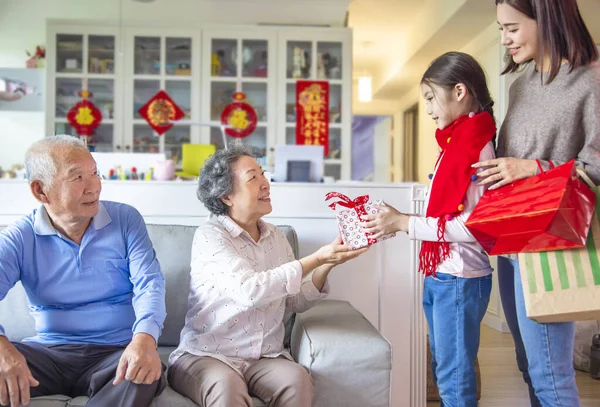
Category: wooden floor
<point>502,384</point>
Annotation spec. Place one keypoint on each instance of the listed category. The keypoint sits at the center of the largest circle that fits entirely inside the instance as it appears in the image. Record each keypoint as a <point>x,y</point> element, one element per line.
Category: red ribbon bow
<point>358,204</point>
<point>347,202</point>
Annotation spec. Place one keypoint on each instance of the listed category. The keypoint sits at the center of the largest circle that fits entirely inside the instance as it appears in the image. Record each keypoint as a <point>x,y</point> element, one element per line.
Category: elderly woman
<point>243,279</point>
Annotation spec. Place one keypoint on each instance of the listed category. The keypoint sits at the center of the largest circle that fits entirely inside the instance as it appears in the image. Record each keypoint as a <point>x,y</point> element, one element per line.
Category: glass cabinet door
<point>223,58</point>
<point>329,60</point>
<point>67,90</point>
<point>147,56</point>
<point>101,54</point>
<point>257,140</point>
<point>299,59</point>
<point>69,53</point>
<point>255,58</point>
<point>103,96</point>
<point>239,64</point>
<point>174,138</point>
<point>178,60</point>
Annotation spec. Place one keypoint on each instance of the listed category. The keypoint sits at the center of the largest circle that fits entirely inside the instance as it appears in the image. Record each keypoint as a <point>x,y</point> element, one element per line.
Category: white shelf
<point>333,161</point>
<point>331,81</point>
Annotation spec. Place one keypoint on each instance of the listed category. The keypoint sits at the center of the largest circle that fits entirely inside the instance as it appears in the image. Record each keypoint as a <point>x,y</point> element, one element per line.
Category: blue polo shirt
<point>102,292</point>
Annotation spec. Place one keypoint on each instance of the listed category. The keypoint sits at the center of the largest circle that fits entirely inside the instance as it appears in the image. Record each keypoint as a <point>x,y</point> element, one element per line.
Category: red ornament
<point>84,117</point>
<point>160,111</point>
<point>239,117</point>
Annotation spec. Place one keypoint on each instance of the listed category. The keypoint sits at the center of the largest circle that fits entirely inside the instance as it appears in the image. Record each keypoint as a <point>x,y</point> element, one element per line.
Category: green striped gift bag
<point>564,285</point>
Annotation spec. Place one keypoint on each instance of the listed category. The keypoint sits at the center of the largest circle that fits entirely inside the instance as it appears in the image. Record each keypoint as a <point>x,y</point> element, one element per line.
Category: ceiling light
<point>365,89</point>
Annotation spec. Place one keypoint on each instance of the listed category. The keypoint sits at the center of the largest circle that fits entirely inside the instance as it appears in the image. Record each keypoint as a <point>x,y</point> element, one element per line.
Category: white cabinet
<point>78,57</point>
<point>161,59</point>
<point>318,54</point>
<point>200,67</point>
<point>244,61</point>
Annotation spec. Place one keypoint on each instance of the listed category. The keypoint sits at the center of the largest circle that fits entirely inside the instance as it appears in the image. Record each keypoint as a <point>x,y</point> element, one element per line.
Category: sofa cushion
<point>173,249</point>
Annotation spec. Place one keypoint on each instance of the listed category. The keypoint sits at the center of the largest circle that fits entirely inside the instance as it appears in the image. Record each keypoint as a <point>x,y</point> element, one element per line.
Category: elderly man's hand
<point>15,377</point>
<point>139,362</point>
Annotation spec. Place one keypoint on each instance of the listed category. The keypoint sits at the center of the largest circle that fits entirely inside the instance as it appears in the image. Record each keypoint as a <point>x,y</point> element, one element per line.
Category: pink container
<point>164,170</point>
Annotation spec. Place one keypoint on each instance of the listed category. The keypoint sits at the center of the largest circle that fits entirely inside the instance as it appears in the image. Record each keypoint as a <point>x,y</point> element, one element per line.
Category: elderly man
<point>94,288</point>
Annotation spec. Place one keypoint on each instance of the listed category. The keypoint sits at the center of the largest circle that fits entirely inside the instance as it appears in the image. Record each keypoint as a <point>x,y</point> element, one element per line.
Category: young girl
<point>553,115</point>
<point>458,283</point>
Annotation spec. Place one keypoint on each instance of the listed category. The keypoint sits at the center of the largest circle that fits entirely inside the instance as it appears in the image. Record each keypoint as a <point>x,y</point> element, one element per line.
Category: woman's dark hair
<point>561,31</point>
<point>452,68</point>
<point>216,177</point>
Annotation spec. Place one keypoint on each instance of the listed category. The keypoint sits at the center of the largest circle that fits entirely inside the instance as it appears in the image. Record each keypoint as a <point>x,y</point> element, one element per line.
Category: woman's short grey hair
<point>39,158</point>
<point>216,177</point>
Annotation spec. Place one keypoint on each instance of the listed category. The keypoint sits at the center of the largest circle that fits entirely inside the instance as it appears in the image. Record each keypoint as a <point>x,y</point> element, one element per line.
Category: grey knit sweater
<point>557,122</point>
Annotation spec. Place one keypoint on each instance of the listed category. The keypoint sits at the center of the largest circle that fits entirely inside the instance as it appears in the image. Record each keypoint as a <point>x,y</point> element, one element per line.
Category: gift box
<point>550,211</point>
<point>349,219</point>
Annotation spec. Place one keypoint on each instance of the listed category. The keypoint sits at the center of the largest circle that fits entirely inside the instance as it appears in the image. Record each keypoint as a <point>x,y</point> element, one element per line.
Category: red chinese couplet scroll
<point>312,113</point>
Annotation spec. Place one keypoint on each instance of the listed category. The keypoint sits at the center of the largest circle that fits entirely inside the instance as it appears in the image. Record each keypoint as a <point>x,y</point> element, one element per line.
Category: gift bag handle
<point>539,164</point>
<point>583,175</point>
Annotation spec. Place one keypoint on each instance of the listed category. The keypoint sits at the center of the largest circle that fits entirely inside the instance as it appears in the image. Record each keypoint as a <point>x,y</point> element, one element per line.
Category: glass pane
<point>181,93</point>
<point>179,56</point>
<point>66,95</point>
<point>335,103</point>
<point>101,140</point>
<point>103,96</point>
<point>329,60</point>
<point>223,58</point>
<point>256,96</point>
<point>101,50</point>
<point>143,91</point>
<point>147,56</point>
<point>255,58</point>
<point>144,140</point>
<point>299,56</point>
<point>174,138</point>
<point>335,143</point>
<point>257,140</point>
<point>333,170</point>
<point>221,96</point>
<point>290,103</point>
<point>290,135</point>
<point>69,53</point>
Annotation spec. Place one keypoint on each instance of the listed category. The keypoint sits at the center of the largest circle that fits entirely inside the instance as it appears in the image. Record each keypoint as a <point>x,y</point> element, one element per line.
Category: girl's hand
<point>504,171</point>
<point>387,220</point>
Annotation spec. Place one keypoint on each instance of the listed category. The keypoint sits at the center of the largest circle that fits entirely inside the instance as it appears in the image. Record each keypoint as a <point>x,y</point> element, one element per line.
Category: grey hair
<point>39,158</point>
<point>216,177</point>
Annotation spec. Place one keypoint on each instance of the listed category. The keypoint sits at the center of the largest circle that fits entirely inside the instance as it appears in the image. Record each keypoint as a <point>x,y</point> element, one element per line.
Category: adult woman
<point>553,115</point>
<point>243,279</point>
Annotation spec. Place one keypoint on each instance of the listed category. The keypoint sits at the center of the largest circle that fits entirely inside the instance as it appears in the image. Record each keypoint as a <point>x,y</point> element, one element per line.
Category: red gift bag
<point>549,211</point>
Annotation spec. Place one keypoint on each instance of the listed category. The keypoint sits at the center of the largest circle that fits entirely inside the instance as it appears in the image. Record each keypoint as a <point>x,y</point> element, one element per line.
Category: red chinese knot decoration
<point>239,117</point>
<point>312,113</point>
<point>84,117</point>
<point>160,112</point>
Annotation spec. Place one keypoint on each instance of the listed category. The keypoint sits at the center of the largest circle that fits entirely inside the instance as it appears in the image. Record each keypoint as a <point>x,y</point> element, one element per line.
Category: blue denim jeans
<point>454,308</point>
<point>544,351</point>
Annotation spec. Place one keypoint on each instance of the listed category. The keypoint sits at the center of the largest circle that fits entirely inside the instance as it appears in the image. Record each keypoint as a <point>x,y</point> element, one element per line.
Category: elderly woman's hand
<point>337,253</point>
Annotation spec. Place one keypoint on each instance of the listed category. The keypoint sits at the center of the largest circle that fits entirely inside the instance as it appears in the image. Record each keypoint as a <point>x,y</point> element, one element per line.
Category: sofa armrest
<point>349,361</point>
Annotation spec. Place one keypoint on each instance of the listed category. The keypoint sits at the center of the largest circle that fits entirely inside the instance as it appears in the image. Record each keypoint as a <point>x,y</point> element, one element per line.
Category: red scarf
<point>461,145</point>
